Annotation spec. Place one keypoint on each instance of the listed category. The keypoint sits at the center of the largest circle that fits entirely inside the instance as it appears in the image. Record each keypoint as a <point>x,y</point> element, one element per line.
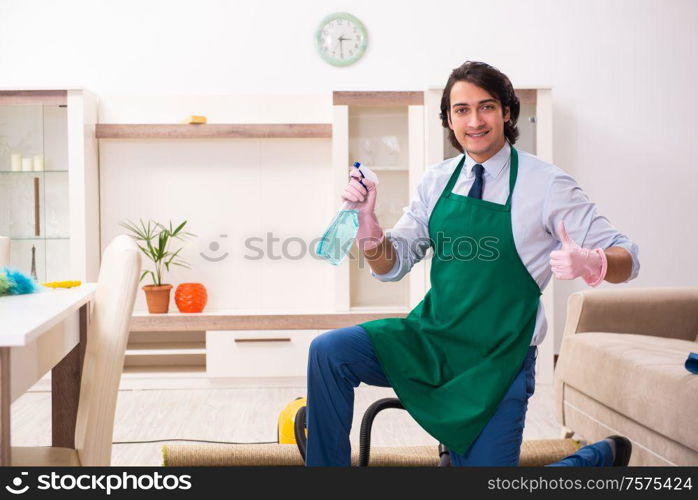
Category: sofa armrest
<point>660,312</point>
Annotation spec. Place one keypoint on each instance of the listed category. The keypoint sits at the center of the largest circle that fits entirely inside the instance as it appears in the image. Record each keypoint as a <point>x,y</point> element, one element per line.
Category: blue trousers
<point>339,360</point>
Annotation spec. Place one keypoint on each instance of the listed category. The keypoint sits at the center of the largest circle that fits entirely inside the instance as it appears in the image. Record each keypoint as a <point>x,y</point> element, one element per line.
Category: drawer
<point>243,353</point>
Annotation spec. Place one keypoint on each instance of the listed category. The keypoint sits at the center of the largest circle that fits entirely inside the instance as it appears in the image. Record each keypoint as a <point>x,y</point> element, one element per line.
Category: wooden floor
<point>245,414</point>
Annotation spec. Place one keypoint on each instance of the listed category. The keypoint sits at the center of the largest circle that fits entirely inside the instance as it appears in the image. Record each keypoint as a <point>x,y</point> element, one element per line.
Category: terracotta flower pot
<point>191,297</point>
<point>158,298</point>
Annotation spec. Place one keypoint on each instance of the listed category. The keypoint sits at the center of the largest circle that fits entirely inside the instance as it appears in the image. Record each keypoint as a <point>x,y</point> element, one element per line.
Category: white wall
<point>624,76</point>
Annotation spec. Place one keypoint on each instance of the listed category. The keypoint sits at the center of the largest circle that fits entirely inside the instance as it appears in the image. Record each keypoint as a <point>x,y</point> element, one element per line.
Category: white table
<point>41,332</point>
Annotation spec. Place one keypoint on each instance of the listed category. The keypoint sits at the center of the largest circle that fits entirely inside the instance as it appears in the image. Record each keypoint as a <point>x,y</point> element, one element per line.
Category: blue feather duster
<point>19,283</point>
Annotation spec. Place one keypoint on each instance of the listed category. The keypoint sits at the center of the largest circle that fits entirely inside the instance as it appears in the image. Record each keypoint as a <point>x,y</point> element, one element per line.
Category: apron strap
<point>513,172</point>
<point>454,177</point>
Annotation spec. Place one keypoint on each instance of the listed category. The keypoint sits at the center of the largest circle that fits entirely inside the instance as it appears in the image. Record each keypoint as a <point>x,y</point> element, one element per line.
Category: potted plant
<point>154,240</point>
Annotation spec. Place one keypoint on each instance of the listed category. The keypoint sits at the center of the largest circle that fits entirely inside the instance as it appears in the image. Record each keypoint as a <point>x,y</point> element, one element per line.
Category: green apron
<point>454,356</point>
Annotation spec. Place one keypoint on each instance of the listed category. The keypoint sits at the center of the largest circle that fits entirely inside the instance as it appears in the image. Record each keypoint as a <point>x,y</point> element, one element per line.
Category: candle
<point>16,162</point>
<point>38,162</point>
<point>27,165</point>
<point>4,251</point>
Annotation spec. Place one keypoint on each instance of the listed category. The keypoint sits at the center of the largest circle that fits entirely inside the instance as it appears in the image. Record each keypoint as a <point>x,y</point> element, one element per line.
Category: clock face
<point>341,39</point>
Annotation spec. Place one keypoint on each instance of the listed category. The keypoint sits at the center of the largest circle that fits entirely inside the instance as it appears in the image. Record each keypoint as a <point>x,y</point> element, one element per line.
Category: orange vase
<point>191,297</point>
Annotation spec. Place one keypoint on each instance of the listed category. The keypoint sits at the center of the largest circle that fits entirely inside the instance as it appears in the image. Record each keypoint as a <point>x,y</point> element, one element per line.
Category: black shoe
<point>623,450</point>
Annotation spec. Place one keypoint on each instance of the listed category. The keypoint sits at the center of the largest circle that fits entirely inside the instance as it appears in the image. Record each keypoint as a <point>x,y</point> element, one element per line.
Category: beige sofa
<point>621,371</point>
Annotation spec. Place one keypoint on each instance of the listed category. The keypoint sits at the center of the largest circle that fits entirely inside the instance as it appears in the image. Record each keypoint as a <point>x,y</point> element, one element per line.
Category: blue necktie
<point>476,189</point>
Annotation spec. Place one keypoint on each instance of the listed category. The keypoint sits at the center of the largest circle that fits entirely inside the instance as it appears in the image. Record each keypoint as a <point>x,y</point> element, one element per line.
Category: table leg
<point>65,389</point>
<point>5,400</point>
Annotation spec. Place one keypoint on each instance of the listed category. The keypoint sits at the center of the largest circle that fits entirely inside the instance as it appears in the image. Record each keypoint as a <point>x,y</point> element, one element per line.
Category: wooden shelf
<point>394,168</point>
<point>214,131</point>
<point>32,97</point>
<point>526,96</point>
<point>36,238</point>
<point>144,322</point>
<point>174,372</point>
<point>164,349</point>
<point>378,98</point>
<point>30,172</point>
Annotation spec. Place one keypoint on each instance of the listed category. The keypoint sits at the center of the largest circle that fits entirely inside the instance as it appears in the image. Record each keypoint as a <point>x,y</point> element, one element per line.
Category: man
<point>501,222</point>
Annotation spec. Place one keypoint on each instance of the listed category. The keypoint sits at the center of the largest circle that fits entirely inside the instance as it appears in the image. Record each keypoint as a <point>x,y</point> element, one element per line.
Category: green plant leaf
<point>173,255</point>
<point>184,235</point>
<point>152,252</point>
<point>146,272</point>
<point>138,233</point>
<point>147,254</point>
<point>179,228</point>
<point>162,244</point>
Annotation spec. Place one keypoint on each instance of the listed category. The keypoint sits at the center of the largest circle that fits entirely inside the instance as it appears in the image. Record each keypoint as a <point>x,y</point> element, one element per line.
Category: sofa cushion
<point>640,376</point>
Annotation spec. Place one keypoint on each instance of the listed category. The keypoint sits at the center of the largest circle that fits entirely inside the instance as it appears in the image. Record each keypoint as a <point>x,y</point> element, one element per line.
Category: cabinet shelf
<point>377,98</point>
<point>31,172</point>
<point>214,131</point>
<point>258,320</point>
<point>44,97</point>
<point>398,168</point>
<point>39,238</point>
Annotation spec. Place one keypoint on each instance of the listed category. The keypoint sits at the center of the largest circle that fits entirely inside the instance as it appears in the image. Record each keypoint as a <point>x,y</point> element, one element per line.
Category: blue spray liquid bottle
<point>341,233</point>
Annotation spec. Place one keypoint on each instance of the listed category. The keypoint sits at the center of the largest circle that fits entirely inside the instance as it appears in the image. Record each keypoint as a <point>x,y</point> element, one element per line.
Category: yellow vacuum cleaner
<point>286,432</point>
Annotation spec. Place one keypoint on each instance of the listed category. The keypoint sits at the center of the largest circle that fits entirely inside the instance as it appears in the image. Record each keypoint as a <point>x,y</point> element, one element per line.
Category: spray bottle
<point>341,233</point>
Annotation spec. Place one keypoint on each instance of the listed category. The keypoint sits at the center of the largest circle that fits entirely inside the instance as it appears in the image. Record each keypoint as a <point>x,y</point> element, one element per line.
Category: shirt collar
<point>494,165</point>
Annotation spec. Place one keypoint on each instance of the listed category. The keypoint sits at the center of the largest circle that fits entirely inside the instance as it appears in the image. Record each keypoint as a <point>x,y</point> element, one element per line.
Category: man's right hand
<point>370,233</point>
<point>364,198</point>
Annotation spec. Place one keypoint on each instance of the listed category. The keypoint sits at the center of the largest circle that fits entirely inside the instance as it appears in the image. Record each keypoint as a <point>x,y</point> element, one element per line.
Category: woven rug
<point>536,452</point>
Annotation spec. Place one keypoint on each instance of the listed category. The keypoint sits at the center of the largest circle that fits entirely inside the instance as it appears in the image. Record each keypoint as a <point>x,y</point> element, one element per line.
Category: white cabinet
<point>49,201</point>
<point>239,353</point>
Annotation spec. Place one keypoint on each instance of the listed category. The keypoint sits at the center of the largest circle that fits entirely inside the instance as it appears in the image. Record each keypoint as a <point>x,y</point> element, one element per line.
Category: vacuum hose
<point>299,430</point>
<point>367,423</point>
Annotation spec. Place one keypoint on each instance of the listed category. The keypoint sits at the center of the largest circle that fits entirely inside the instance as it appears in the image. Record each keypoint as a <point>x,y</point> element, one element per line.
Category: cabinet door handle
<point>37,218</point>
<point>264,340</point>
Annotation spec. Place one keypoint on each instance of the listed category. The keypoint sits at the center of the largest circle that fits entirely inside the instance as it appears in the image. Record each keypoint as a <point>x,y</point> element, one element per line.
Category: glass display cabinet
<point>49,183</point>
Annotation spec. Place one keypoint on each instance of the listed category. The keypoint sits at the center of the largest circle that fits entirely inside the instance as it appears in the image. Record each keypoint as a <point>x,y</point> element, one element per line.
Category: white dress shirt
<point>543,195</point>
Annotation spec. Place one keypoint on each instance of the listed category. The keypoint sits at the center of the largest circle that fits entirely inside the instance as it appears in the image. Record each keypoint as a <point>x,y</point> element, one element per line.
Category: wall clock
<point>341,39</point>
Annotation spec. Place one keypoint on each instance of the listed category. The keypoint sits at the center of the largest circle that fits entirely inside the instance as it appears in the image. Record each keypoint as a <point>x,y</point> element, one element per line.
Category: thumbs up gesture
<point>573,261</point>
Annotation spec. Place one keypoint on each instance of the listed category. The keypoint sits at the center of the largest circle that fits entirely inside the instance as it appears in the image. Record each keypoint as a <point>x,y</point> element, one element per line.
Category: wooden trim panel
<point>51,97</point>
<point>197,322</point>
<point>214,131</point>
<point>526,96</point>
<point>378,98</point>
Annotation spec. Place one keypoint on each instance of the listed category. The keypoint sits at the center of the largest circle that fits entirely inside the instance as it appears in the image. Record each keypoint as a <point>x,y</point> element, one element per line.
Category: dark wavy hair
<point>493,81</point>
